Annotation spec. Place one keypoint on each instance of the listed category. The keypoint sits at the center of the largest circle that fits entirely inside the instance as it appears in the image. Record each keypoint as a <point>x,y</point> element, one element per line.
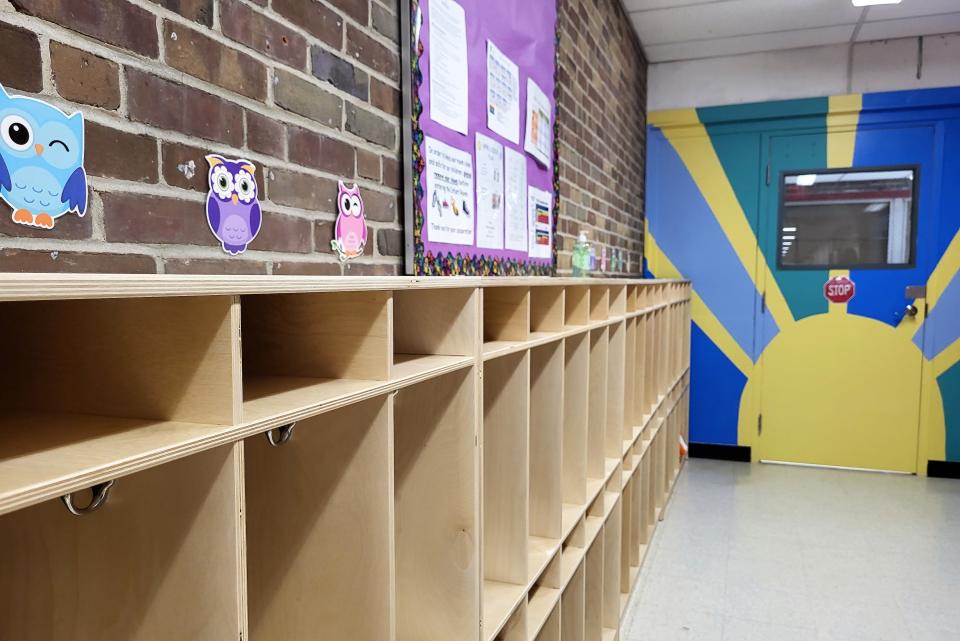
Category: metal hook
<point>284,432</point>
<point>101,491</point>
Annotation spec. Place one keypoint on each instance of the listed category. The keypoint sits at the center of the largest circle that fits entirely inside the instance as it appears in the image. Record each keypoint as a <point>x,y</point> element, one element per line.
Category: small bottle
<point>581,255</point>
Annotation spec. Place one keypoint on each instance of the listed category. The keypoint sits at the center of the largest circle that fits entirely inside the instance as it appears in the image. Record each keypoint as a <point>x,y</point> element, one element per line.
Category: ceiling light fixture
<point>870,3</point>
<point>806,180</point>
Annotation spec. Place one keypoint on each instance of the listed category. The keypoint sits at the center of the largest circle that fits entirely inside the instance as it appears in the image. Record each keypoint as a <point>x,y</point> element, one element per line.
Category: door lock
<point>911,310</point>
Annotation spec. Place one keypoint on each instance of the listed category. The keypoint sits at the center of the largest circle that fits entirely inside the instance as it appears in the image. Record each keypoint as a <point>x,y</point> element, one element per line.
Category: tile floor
<point>774,553</point>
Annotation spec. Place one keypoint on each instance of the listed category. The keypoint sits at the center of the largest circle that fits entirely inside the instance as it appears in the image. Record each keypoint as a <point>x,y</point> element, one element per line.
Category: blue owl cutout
<point>41,161</point>
<point>233,206</point>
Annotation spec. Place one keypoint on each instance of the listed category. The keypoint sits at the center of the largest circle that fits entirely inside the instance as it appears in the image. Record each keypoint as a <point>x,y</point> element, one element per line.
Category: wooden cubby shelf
<point>282,459</point>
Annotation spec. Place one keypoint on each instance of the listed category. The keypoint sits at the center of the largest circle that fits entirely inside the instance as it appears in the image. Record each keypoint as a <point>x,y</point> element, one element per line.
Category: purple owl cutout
<point>350,233</point>
<point>233,205</point>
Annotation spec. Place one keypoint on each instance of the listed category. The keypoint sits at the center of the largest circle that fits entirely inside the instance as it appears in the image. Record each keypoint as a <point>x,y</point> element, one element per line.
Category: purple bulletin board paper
<point>525,31</point>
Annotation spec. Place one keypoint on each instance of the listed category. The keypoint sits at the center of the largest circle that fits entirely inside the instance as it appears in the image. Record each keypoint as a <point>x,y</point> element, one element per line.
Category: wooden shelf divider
<point>397,459</point>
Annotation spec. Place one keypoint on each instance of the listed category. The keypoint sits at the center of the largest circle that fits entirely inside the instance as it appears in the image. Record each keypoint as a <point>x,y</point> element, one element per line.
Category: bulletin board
<point>478,74</point>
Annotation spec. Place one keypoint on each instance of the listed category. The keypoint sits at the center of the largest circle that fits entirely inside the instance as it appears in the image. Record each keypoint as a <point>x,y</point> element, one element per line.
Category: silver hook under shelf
<point>284,433</point>
<point>101,492</point>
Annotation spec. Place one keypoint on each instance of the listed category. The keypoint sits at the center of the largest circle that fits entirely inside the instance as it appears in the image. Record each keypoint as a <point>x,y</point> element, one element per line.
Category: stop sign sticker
<point>839,289</point>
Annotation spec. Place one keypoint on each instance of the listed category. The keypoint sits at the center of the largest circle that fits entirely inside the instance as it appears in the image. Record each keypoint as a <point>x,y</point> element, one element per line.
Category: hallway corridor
<point>774,553</point>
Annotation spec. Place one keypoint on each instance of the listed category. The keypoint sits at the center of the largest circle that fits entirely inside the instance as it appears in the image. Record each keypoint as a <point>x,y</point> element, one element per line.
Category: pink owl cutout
<point>350,233</point>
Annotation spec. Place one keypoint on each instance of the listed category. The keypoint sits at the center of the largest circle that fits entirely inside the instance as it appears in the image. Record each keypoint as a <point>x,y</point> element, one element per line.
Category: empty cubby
<point>319,524</point>
<point>547,308</point>
<point>640,376</point>
<point>577,305</point>
<point>597,404</point>
<point>515,628</point>
<point>618,300</point>
<point>576,386</point>
<point>631,420</point>
<point>615,391</point>
<point>87,382</point>
<point>160,559</point>
<point>599,302</point>
<point>436,529</point>
<point>611,569</point>
<point>307,350</point>
<point>506,314</point>
<point>551,628</point>
<point>633,297</point>
<point>541,603</point>
<point>593,583</point>
<point>431,327</point>
<point>546,440</point>
<point>572,606</point>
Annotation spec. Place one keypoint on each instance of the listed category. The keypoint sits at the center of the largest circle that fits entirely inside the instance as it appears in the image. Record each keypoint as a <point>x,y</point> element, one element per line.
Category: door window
<point>842,219</point>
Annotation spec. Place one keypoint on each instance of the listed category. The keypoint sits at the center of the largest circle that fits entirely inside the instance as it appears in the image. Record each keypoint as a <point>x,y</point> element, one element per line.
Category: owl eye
<point>222,182</point>
<point>345,204</point>
<point>245,186</point>
<point>355,205</point>
<point>16,133</point>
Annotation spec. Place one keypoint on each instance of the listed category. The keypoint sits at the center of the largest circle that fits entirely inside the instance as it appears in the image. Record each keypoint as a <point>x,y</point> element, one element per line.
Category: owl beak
<point>38,149</point>
<point>235,199</point>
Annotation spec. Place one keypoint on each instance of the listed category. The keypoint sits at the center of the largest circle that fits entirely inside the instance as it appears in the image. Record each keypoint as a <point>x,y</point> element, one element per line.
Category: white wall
<point>881,65</point>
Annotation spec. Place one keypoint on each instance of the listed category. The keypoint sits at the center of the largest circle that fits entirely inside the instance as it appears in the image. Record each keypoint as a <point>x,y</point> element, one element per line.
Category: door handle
<point>911,310</point>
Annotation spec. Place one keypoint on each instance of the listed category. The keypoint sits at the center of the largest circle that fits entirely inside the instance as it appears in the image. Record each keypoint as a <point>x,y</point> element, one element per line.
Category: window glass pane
<point>847,219</point>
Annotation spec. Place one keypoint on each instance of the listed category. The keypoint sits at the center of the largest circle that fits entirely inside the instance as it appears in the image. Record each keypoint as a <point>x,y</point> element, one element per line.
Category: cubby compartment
<point>506,484</point>
<point>611,569</point>
<point>599,302</point>
<point>319,527</point>
<point>546,440</point>
<point>631,419</point>
<point>597,404</point>
<point>572,606</point>
<point>577,305</point>
<point>547,309</point>
<point>303,353</point>
<point>633,298</point>
<point>576,387</point>
<point>506,317</point>
<point>515,627</point>
<point>615,425</point>
<point>86,383</point>
<point>160,559</point>
<point>618,300</point>
<point>640,374</point>
<point>550,631</point>
<point>433,330</point>
<point>436,514</point>
<point>593,581</point>
<point>542,601</point>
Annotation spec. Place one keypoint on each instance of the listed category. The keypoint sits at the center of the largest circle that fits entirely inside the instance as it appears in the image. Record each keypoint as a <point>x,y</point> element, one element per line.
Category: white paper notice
<point>515,236</point>
<point>541,229</point>
<point>489,193</point>
<point>503,95</point>
<point>539,130</point>
<point>448,65</point>
<point>449,194</point>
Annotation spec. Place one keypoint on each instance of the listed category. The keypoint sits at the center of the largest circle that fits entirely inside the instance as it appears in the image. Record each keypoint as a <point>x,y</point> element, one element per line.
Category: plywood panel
<point>320,526</point>
<point>576,386</point>
<point>158,561</point>
<point>546,440</point>
<point>593,613</point>
<point>546,309</point>
<point>164,358</point>
<point>611,569</point>
<point>614,433</point>
<point>572,607</point>
<point>577,303</point>
<point>506,313</point>
<point>436,515</point>
<point>329,335</point>
<point>599,302</point>
<point>597,406</point>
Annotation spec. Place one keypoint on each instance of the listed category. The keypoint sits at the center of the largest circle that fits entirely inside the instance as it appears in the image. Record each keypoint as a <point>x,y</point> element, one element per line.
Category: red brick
<point>135,218</point>
<point>24,47</point>
<point>390,242</point>
<point>370,269</point>
<point>181,161</point>
<point>369,126</point>
<point>265,135</point>
<point>379,206</point>
<point>229,265</point>
<point>168,105</point>
<point>392,176</point>
<point>307,99</point>
<point>368,164</point>
<point>359,10</point>
<point>385,22</point>
<point>282,233</point>
<point>200,11</point>
<point>116,22</point>
<point>194,53</point>
<point>384,97</point>
<point>83,77</point>
<point>42,261</point>
<point>322,235</point>
<point>315,17</point>
<point>303,191</point>
<point>304,268</point>
<point>315,150</point>
<point>68,227</point>
<point>254,29</point>
<point>117,154</point>
<point>373,54</point>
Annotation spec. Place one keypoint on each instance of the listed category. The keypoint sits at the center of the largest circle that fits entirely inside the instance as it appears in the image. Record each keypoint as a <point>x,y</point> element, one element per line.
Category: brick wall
<point>307,89</point>
<point>602,118</point>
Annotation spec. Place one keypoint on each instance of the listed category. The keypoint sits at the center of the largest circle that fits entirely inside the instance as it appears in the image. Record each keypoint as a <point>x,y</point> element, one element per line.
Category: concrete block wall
<point>307,89</point>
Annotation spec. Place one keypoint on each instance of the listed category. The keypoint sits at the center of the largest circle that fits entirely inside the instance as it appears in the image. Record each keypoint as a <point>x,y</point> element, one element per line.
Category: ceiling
<point>688,29</point>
